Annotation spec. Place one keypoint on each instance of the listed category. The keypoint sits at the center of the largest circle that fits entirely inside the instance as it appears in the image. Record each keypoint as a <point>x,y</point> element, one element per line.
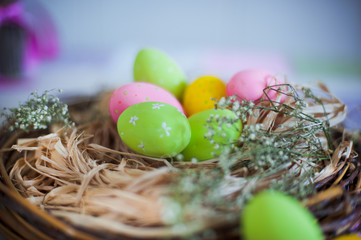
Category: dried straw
<point>88,176</point>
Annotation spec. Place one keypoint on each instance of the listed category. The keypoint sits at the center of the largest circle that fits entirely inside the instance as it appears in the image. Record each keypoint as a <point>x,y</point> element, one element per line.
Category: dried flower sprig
<point>283,158</point>
<point>195,194</point>
<point>190,190</point>
<point>300,187</point>
<point>265,152</point>
<point>38,112</point>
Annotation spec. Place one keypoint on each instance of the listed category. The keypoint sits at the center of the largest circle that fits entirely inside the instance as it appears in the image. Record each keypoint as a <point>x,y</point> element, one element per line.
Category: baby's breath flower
<point>222,102</point>
<point>38,112</point>
<point>259,151</point>
<point>266,150</point>
<point>179,157</point>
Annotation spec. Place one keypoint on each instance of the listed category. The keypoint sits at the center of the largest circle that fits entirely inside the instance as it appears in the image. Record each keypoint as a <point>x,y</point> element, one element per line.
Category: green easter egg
<point>272,215</point>
<point>224,135</point>
<point>154,129</point>
<point>156,67</point>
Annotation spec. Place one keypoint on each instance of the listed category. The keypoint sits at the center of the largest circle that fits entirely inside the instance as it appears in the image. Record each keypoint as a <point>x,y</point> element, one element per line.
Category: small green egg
<point>225,134</point>
<point>154,129</point>
<point>272,215</point>
<point>156,67</point>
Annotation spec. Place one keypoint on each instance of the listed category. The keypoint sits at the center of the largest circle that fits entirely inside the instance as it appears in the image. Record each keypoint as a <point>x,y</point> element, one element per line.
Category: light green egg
<point>272,215</point>
<point>156,67</point>
<point>224,134</point>
<point>154,129</point>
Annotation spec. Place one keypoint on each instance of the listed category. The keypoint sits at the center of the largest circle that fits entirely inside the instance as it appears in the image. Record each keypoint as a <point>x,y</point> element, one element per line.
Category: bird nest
<point>85,183</point>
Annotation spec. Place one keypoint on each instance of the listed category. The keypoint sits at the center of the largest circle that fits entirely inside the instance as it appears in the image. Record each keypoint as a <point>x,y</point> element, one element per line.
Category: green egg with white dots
<point>154,129</point>
<point>154,66</point>
<point>224,134</point>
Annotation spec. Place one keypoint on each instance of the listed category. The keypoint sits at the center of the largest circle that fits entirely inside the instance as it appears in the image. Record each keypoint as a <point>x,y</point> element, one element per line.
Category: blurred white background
<point>304,40</point>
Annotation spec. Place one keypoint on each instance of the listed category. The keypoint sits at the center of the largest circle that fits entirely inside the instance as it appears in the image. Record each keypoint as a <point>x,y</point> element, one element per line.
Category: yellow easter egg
<point>348,237</point>
<point>197,96</point>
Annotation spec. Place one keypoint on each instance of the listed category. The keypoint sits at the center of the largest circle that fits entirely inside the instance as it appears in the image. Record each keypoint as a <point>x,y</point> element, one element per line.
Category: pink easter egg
<point>137,92</point>
<point>249,85</point>
<point>273,81</point>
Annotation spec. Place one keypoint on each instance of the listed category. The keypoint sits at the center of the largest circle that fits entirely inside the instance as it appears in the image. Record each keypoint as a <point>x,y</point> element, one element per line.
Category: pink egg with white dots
<point>249,85</point>
<point>137,92</point>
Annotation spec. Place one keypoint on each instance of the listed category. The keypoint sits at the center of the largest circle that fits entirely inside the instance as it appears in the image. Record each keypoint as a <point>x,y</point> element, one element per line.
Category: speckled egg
<point>225,134</point>
<point>156,67</point>
<point>249,85</point>
<point>272,215</point>
<point>197,96</point>
<point>154,129</point>
<point>137,92</point>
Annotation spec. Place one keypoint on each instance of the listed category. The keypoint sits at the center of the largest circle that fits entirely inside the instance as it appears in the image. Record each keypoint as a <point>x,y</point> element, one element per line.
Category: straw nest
<point>85,183</point>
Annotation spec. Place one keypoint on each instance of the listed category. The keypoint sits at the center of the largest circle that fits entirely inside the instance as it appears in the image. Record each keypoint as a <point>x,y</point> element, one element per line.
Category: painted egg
<point>197,96</point>
<point>348,237</point>
<point>133,93</point>
<point>249,85</point>
<point>156,67</point>
<point>154,129</point>
<point>225,134</point>
<point>273,215</point>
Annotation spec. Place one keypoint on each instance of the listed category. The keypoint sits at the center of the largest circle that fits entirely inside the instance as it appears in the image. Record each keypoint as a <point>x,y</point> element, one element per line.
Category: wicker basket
<point>336,205</point>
